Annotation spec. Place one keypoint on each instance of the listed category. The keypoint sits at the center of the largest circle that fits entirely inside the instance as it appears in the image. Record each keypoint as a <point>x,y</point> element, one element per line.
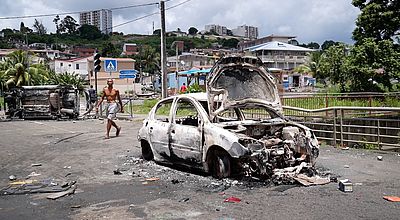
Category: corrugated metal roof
<point>276,45</point>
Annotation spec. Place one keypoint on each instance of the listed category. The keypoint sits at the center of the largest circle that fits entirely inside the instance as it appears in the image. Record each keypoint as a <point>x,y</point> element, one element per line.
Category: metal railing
<point>324,100</point>
<point>379,126</point>
<point>127,104</point>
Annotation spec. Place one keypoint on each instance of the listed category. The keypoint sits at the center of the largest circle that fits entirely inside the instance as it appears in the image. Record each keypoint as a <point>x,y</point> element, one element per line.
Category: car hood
<point>237,79</point>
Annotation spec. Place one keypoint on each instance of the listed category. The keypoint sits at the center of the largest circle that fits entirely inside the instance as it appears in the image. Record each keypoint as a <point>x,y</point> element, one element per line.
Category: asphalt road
<point>76,150</point>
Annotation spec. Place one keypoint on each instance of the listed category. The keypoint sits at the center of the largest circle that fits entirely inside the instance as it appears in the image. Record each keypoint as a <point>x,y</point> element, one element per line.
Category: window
<point>77,66</point>
<point>186,113</point>
<point>162,111</point>
<point>61,64</point>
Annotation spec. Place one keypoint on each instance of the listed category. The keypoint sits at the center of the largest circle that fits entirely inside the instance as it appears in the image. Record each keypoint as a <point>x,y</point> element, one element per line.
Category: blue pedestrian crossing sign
<point>110,65</point>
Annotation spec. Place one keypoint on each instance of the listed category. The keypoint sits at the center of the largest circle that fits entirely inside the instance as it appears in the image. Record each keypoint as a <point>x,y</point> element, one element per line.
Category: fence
<point>376,126</point>
<point>325,100</point>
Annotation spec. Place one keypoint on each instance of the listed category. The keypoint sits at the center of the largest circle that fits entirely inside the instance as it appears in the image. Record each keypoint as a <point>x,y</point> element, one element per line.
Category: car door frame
<point>159,130</point>
<point>180,148</point>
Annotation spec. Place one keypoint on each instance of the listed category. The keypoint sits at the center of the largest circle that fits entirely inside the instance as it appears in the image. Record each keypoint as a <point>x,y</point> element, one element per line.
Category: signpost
<point>128,74</point>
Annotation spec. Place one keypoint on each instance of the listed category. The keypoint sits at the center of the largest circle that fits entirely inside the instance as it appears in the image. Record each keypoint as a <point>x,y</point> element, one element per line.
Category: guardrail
<point>378,126</point>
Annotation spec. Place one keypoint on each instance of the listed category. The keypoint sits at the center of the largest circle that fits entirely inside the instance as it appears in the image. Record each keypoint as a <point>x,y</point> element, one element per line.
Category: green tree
<point>68,25</point>
<point>372,65</point>
<point>327,44</point>
<point>333,65</point>
<point>19,74</point>
<point>379,19</point>
<point>56,20</point>
<point>66,79</point>
<point>109,50</point>
<point>193,31</point>
<point>39,27</point>
<point>89,32</point>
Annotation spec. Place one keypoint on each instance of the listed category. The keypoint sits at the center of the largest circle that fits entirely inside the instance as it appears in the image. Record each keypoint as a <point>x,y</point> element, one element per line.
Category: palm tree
<point>19,74</point>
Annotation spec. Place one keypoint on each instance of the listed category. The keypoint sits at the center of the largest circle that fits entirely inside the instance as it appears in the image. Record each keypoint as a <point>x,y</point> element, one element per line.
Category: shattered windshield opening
<point>242,83</point>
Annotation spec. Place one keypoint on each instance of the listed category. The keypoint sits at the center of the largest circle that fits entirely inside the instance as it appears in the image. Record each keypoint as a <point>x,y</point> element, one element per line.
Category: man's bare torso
<point>111,94</point>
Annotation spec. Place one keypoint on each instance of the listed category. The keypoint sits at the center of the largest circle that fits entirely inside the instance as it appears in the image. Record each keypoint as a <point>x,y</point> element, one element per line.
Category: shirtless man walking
<point>112,106</point>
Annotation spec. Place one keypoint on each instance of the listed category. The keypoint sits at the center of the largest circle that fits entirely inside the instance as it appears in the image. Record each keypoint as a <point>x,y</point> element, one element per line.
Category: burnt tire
<point>147,153</point>
<point>220,164</point>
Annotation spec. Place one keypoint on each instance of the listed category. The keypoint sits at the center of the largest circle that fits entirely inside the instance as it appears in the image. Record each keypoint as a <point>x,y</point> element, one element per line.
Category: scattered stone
<point>184,200</point>
<point>117,172</point>
<point>346,148</point>
<point>346,166</point>
<point>12,177</point>
<point>67,167</point>
<point>380,158</point>
<point>75,206</point>
<point>36,165</point>
<point>33,174</point>
<point>34,203</point>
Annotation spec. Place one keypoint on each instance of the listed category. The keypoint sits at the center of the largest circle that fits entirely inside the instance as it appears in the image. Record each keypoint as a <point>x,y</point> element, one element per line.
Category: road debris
<point>345,148</point>
<point>33,174</point>
<point>75,206</point>
<point>36,165</point>
<point>152,179</point>
<point>310,181</point>
<point>346,166</point>
<point>345,185</point>
<point>12,177</point>
<point>61,194</point>
<point>184,200</point>
<point>380,158</point>
<point>232,200</point>
<point>34,186</point>
<point>392,198</point>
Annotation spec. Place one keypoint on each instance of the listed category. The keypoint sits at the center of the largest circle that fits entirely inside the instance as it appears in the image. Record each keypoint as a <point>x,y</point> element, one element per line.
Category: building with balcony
<point>249,43</point>
<point>246,31</point>
<point>218,29</point>
<point>280,55</point>
<point>187,61</point>
<point>102,19</point>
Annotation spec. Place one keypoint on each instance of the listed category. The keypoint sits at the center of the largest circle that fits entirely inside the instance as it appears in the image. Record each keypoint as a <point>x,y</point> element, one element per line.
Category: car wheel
<point>147,153</point>
<point>220,165</point>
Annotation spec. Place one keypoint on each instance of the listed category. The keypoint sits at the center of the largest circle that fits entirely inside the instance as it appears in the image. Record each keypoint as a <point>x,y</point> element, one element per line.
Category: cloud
<point>309,20</point>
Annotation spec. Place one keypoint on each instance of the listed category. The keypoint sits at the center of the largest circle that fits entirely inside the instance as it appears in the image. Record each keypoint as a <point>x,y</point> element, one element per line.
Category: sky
<point>309,20</point>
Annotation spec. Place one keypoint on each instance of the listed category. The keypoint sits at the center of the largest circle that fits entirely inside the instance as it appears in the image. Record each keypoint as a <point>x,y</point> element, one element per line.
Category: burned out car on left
<point>42,102</point>
<point>236,128</point>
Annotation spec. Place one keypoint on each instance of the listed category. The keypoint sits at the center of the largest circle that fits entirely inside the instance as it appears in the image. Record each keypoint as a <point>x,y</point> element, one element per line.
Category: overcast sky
<point>309,20</point>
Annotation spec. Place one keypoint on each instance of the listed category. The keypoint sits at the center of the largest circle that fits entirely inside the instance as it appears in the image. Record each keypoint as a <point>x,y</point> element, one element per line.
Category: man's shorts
<point>112,110</point>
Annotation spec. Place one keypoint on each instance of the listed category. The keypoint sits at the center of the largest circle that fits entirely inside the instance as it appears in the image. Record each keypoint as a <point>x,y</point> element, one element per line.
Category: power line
<point>148,15</point>
<point>76,12</point>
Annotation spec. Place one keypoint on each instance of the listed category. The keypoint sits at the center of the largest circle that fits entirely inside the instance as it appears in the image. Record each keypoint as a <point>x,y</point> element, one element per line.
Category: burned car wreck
<point>235,128</point>
<point>42,102</point>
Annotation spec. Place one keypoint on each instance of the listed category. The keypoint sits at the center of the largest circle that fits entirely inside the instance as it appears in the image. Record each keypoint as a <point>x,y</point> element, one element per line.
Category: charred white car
<point>235,128</point>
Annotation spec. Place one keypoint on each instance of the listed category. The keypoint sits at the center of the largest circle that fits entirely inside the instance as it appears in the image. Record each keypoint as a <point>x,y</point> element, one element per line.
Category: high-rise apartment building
<point>246,31</point>
<point>218,29</point>
<point>102,19</point>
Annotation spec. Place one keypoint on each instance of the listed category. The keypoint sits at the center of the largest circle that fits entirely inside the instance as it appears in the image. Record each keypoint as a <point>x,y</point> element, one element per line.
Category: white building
<point>72,66</point>
<point>221,30</point>
<point>280,55</point>
<point>102,19</point>
<point>246,31</point>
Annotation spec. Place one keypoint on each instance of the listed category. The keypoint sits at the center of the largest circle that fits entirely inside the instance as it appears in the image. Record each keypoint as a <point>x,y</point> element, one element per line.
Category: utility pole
<point>163,52</point>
